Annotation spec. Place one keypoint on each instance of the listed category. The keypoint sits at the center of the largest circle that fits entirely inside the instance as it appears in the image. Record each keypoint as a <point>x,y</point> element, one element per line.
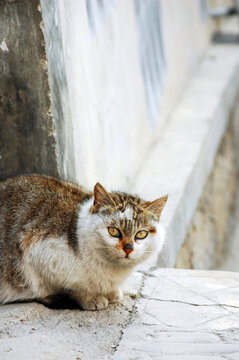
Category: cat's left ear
<point>157,205</point>
<point>101,198</point>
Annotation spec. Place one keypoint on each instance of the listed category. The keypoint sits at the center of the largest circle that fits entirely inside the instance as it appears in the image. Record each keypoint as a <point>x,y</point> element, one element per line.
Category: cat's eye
<point>114,232</point>
<point>141,234</point>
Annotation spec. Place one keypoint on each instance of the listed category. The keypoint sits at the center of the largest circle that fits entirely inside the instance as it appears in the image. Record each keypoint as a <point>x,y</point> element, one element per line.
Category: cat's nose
<point>128,248</point>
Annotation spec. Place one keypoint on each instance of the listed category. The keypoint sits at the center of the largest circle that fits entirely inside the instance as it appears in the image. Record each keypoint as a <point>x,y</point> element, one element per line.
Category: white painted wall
<point>186,38</point>
<point>106,93</point>
<point>109,80</point>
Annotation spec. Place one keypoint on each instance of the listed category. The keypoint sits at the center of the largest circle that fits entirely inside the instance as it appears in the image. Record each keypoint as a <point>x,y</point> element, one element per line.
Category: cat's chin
<point>126,258</point>
<point>126,261</point>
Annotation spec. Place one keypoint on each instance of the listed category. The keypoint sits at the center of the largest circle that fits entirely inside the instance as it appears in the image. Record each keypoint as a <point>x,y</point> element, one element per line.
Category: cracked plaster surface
<point>169,314</point>
<point>184,314</point>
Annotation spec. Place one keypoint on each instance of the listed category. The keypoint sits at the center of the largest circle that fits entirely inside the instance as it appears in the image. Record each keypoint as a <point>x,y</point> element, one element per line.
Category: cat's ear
<point>101,198</point>
<point>157,205</point>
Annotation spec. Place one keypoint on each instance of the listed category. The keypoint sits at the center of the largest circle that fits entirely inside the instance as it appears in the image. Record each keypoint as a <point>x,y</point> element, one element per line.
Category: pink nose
<point>128,248</point>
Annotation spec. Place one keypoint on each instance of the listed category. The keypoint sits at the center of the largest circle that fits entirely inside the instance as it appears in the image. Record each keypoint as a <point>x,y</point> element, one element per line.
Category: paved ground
<point>168,314</point>
<point>184,314</point>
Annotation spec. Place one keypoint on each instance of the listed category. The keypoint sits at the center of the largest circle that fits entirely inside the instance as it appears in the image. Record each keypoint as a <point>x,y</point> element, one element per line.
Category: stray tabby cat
<point>56,237</point>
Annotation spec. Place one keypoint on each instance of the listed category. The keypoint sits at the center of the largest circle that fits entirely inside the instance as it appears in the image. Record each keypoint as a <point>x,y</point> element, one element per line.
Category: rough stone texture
<point>32,331</point>
<point>207,239</point>
<point>58,88</point>
<point>167,314</point>
<point>27,143</point>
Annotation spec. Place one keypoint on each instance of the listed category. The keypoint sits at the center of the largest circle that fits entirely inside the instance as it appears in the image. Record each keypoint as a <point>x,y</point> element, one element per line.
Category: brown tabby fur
<point>37,208</point>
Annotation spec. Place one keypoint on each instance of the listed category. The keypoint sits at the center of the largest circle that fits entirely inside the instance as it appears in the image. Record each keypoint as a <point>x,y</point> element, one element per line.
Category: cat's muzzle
<point>128,248</point>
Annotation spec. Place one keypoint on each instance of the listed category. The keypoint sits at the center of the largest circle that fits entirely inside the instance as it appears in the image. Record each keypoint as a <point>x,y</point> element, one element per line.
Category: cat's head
<point>126,226</point>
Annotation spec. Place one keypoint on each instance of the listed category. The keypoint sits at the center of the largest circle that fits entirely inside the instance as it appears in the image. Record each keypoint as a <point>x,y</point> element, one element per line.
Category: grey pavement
<point>184,314</point>
<point>166,314</point>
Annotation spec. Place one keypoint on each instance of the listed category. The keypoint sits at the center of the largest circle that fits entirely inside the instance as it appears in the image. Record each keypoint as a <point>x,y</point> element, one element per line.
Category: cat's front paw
<point>94,303</point>
<point>115,296</point>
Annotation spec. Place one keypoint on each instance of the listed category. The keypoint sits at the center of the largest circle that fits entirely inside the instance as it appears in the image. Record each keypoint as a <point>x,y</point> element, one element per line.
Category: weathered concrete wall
<point>59,89</point>
<point>208,235</point>
<point>27,142</point>
<point>115,74</point>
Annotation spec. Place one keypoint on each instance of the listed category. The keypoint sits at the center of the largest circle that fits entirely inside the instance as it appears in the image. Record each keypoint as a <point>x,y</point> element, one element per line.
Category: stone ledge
<point>166,314</point>
<point>184,154</point>
<point>208,237</point>
<point>32,331</point>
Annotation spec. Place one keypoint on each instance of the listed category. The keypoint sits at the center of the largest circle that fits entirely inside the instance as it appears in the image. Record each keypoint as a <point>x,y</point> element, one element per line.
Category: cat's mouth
<point>127,257</point>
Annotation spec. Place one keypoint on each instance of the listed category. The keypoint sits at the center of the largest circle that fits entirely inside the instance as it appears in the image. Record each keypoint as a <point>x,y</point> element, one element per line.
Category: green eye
<point>141,234</point>
<point>114,232</point>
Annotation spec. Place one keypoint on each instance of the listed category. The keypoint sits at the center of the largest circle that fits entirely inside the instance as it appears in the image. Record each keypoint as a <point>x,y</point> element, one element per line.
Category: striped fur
<point>54,239</point>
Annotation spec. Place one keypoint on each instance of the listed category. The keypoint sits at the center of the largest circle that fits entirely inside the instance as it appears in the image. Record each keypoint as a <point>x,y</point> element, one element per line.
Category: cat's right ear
<point>157,205</point>
<point>101,198</point>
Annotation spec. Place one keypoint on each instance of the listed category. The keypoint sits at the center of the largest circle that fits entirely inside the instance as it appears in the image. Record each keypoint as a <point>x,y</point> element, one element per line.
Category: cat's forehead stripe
<point>127,213</point>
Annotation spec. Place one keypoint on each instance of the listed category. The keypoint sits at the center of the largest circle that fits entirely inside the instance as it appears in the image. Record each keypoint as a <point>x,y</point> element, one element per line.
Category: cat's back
<point>41,203</point>
<point>27,189</point>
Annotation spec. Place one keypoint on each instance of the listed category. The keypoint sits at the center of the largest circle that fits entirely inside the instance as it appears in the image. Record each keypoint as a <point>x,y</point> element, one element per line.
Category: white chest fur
<point>50,264</point>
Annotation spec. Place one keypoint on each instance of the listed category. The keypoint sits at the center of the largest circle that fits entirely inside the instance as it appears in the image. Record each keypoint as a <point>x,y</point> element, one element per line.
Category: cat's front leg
<point>91,302</point>
<point>114,296</point>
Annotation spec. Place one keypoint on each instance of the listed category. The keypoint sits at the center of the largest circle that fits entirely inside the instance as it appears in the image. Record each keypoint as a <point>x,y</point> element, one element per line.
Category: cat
<point>56,237</point>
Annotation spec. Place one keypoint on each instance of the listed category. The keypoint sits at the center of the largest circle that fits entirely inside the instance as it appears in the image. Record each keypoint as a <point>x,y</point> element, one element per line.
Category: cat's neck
<point>86,222</point>
<point>86,228</point>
